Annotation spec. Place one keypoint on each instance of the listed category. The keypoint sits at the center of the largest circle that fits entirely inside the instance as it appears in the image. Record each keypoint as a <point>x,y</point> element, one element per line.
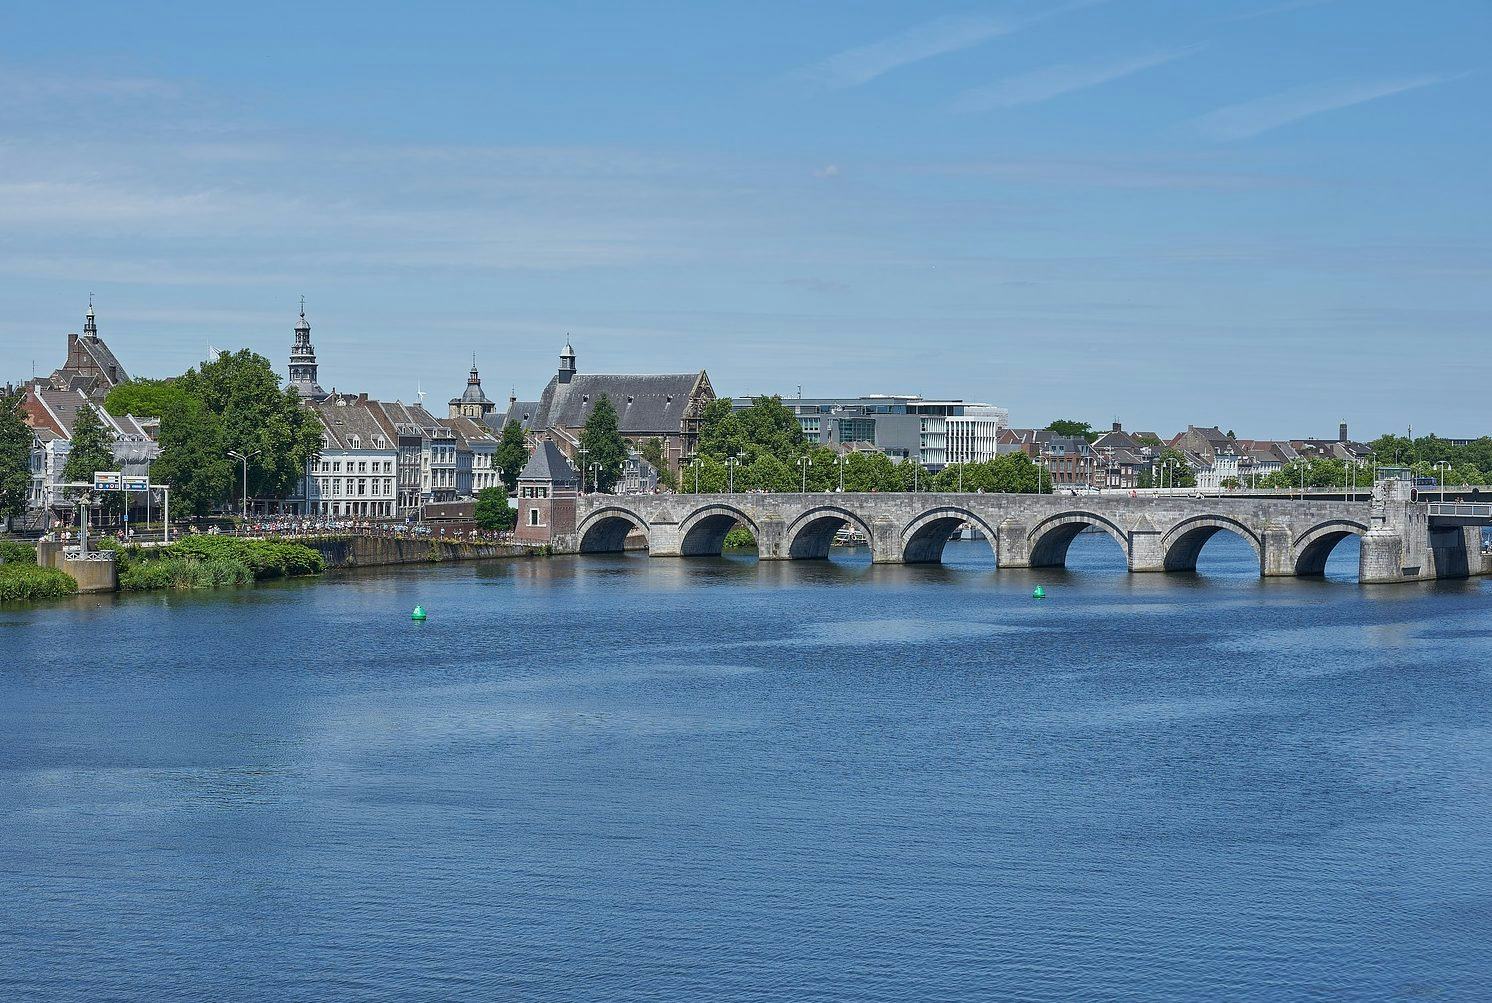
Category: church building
<point>663,406</point>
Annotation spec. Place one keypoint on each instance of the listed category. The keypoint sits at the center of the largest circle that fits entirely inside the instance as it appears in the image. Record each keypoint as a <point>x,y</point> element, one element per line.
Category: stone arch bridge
<point>1156,533</point>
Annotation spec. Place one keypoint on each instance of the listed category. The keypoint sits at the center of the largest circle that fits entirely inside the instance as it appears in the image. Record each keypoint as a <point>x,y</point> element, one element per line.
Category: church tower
<point>473,403</point>
<point>567,363</point>
<point>303,359</point>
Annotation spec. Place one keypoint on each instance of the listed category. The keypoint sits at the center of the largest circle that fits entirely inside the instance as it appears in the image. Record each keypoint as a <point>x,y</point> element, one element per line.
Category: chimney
<point>72,339</point>
<point>1342,432</point>
<point>362,398</point>
<point>1118,427</point>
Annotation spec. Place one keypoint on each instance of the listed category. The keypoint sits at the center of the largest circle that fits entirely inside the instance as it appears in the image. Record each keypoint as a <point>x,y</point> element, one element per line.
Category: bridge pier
<point>1278,560</point>
<point>1146,551</point>
<point>1013,544</point>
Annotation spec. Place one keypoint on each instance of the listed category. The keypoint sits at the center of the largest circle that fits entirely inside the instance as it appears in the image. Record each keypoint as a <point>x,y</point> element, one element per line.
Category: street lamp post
<point>841,460</point>
<point>1444,467</point>
<point>730,467</point>
<point>694,465</point>
<point>804,462</point>
<point>596,476</point>
<point>243,458</point>
<point>581,452</point>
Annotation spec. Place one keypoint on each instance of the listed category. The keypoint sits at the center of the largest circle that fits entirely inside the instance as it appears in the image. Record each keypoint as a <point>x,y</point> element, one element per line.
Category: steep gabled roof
<point>655,404</point>
<point>548,464</point>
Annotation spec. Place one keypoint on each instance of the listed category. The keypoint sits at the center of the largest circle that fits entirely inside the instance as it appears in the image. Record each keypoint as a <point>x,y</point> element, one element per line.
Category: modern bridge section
<point>1290,536</point>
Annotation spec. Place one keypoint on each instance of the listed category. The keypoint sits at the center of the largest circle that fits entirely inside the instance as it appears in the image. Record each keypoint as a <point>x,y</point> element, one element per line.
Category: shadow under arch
<point>924,538</point>
<point>605,531</point>
<point>811,534</point>
<point>1183,544</point>
<point>1049,539</point>
<point>1314,546</point>
<point>702,533</point>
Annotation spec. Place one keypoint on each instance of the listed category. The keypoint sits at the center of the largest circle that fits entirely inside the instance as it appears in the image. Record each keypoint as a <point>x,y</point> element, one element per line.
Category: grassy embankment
<point>208,562</point>
<point>21,579</point>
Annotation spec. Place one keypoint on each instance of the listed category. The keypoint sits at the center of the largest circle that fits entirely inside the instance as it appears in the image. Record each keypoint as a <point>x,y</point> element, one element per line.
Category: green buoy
<point>1038,593</point>
<point>418,614</point>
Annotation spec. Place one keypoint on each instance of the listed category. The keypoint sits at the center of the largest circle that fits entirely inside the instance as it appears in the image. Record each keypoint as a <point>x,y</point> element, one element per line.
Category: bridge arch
<point>1183,543</point>
<point>924,538</point>
<point>1315,545</point>
<point>1048,540</point>
<point>702,532</point>
<point>809,536</point>
<point>605,530</point>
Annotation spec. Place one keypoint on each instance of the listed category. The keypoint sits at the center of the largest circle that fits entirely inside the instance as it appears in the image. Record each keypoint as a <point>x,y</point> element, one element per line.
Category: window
<point>533,517</point>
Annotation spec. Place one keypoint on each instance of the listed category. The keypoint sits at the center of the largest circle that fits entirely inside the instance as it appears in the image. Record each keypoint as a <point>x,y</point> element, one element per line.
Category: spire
<point>90,328</point>
<point>303,358</point>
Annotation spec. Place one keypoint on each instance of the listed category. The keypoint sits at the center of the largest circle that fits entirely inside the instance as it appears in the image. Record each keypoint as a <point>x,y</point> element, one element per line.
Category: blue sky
<point>1267,215</point>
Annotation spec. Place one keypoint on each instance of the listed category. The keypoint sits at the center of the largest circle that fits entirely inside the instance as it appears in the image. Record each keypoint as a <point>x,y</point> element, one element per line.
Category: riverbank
<point>213,561</point>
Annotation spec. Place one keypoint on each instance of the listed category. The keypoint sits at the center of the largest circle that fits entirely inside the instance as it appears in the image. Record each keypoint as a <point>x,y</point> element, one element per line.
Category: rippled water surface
<point>622,779</point>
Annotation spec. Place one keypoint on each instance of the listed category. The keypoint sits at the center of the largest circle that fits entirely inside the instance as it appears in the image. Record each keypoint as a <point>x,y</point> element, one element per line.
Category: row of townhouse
<point>1121,459</point>
<point>387,460</point>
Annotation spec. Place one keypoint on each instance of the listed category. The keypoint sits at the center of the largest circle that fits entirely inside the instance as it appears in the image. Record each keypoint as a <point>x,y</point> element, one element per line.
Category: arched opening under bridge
<point>1183,545</point>
<point>1051,539</point>
<point>1313,549</point>
<point>925,538</point>
<point>606,531</point>
<point>704,533</point>
<point>812,533</point>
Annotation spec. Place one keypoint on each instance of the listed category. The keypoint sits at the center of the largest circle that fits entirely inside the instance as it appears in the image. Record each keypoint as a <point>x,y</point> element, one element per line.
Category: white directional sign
<point>136,482</point>
<point>106,480</point>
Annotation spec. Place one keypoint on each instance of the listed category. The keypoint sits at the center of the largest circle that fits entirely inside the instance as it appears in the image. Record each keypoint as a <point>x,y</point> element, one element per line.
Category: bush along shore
<point>210,562</point>
<point>21,579</point>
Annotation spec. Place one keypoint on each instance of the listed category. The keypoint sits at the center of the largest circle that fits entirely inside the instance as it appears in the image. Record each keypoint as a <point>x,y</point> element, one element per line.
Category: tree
<point>242,391</point>
<point>91,448</point>
<point>766,428</point>
<point>193,460</point>
<point>1074,428</point>
<point>603,445</point>
<point>493,511</point>
<point>148,398</point>
<point>511,455</point>
<point>15,457</point>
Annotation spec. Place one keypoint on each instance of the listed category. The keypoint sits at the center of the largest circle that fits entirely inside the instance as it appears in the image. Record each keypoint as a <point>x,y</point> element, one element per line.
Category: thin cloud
<point>860,65</point>
<point>1251,118</point>
<point>1063,78</point>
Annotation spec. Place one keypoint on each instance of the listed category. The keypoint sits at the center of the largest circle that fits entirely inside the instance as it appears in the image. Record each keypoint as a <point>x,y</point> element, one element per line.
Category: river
<point>624,779</point>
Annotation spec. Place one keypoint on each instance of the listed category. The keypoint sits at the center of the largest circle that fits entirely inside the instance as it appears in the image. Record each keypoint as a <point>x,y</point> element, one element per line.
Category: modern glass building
<point>933,432</point>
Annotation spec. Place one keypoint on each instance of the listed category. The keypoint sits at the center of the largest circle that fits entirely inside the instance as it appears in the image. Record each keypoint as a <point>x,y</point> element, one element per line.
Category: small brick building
<point>547,488</point>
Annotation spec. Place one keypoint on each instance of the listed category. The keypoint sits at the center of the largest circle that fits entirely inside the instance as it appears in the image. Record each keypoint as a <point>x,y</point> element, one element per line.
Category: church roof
<point>644,404</point>
<point>523,412</point>
<point>548,464</point>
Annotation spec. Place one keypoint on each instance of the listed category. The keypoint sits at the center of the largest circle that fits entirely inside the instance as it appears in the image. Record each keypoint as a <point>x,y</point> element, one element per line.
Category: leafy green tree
<point>193,460</point>
<point>242,390</point>
<point>603,445</point>
<point>511,454</point>
<point>15,457</point>
<point>1074,428</point>
<point>91,448</point>
<point>766,428</point>
<point>705,475</point>
<point>493,511</point>
<point>148,398</point>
